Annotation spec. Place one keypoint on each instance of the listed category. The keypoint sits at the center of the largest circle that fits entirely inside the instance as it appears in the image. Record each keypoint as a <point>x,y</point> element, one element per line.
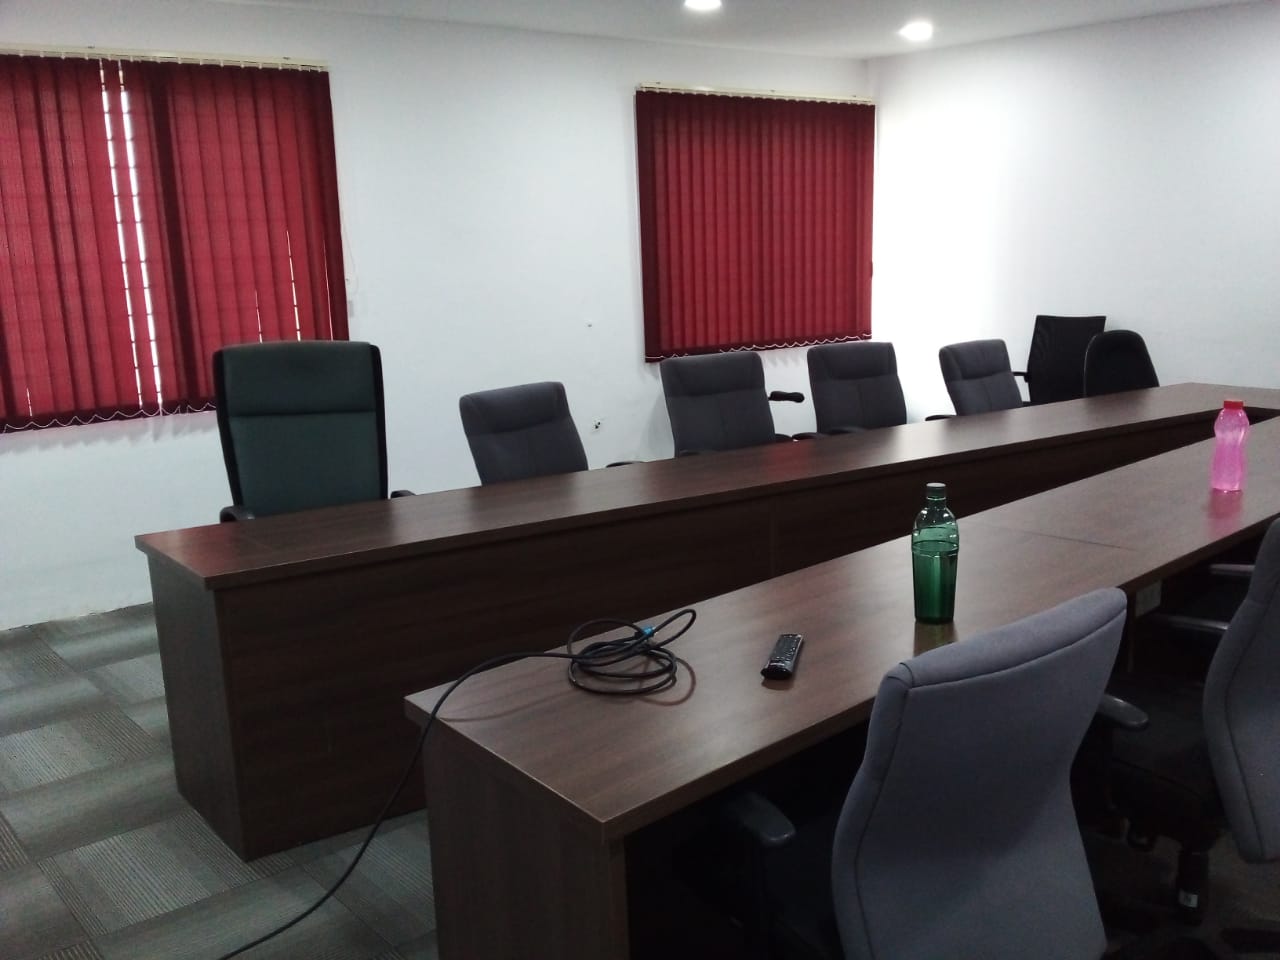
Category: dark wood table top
<point>274,547</point>
<point>1162,507</point>
<point>619,764</point>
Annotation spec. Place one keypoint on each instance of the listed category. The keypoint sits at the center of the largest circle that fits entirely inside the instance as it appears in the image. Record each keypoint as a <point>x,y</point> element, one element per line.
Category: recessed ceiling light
<point>917,31</point>
<point>702,6</point>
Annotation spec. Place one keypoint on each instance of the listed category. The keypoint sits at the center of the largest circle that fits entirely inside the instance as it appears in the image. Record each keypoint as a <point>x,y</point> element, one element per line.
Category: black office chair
<point>855,386</point>
<point>1117,360</point>
<point>978,376</point>
<point>718,402</point>
<point>521,432</point>
<point>958,837</point>
<point>1209,757</point>
<point>1055,363</point>
<point>302,425</point>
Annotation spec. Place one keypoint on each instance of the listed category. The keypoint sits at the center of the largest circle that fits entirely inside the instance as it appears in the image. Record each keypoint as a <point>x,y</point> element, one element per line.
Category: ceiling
<point>841,28</point>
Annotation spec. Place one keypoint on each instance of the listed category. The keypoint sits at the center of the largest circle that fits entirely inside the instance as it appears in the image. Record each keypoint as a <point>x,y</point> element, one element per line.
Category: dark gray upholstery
<point>301,424</point>
<point>1242,712</point>
<point>958,837</point>
<point>716,402</point>
<point>520,432</point>
<point>1055,363</point>
<point>978,376</point>
<point>1208,758</point>
<point>855,385</point>
<point>1117,360</point>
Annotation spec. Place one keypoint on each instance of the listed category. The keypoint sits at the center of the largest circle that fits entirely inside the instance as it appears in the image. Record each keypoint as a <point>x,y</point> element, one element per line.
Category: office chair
<point>1055,363</point>
<point>717,401</point>
<point>521,432</point>
<point>855,386</point>
<point>301,424</point>
<point>1117,360</point>
<point>958,837</point>
<point>1208,759</point>
<point>978,376</point>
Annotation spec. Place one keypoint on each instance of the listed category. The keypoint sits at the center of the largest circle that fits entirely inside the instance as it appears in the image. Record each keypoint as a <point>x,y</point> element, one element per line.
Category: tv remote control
<point>782,661</point>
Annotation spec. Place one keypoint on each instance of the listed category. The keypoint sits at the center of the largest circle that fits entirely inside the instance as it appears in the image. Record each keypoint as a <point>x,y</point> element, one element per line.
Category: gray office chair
<point>1055,363</point>
<point>717,401</point>
<point>978,376</point>
<point>1208,758</point>
<point>958,837</point>
<point>521,432</point>
<point>855,386</point>
<point>1117,360</point>
<point>301,424</point>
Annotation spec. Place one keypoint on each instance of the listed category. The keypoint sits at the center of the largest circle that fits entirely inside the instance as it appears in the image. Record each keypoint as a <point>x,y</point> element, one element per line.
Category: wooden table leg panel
<point>516,876</point>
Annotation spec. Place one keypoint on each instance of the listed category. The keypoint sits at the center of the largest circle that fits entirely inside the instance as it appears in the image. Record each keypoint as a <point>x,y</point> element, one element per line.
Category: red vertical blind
<point>755,221</point>
<point>65,337</point>
<point>153,212</point>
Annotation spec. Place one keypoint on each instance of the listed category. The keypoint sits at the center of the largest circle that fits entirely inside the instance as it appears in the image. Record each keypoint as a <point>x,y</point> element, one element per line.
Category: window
<point>755,221</point>
<point>150,213</point>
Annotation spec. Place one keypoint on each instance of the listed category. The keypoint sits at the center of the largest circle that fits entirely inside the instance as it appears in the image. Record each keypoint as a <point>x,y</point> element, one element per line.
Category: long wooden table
<point>288,642</point>
<point>538,792</point>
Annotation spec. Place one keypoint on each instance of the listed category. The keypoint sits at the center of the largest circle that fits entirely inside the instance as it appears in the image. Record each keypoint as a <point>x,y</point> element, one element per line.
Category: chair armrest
<point>806,436</point>
<point>782,438</point>
<point>692,453</point>
<point>940,416</point>
<point>233,513</point>
<point>622,463</point>
<point>841,431</point>
<point>1181,621</point>
<point>757,817</point>
<point>1121,713</point>
<point>1019,373</point>
<point>783,396</point>
<point>1231,571</point>
<point>396,494</point>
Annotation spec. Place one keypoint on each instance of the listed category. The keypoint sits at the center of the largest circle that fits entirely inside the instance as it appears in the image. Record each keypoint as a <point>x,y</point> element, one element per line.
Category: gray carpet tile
<point>35,704</point>
<point>25,658</point>
<point>391,887</point>
<point>78,744</point>
<point>35,921</point>
<point>228,920</point>
<point>103,638</point>
<point>66,814</point>
<point>78,951</point>
<point>131,681</point>
<point>424,948</point>
<point>153,870</point>
<point>152,716</point>
<point>11,852</point>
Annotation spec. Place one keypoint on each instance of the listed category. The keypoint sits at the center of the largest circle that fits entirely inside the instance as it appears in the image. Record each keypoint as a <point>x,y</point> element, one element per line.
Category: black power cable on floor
<point>627,666</point>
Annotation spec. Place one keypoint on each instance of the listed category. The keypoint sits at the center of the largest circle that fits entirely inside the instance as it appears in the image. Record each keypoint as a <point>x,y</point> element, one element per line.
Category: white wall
<point>488,197</point>
<point>1130,169</point>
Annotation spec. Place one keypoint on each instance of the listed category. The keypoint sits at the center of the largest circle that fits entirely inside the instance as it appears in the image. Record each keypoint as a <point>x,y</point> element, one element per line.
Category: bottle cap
<point>1233,404</point>
<point>935,491</point>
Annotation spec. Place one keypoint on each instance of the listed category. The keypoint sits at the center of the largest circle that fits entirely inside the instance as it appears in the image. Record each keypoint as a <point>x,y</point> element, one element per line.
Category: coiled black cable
<point>601,667</point>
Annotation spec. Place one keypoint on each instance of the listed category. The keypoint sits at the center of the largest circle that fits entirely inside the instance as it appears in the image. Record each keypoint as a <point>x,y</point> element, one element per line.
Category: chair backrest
<point>716,401</point>
<point>855,384</point>
<point>978,376</point>
<point>520,432</point>
<point>1055,364</point>
<point>302,424</point>
<point>1242,712</point>
<point>1117,360</point>
<point>958,837</point>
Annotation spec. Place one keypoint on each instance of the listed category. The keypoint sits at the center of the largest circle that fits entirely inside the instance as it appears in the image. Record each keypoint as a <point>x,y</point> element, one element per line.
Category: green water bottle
<point>935,554</point>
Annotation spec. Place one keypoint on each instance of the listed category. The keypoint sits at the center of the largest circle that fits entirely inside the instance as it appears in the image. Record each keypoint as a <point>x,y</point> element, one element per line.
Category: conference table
<point>287,643</point>
<point>542,796</point>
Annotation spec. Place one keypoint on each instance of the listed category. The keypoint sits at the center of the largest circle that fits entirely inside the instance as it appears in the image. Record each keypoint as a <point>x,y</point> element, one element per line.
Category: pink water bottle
<point>1230,430</point>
